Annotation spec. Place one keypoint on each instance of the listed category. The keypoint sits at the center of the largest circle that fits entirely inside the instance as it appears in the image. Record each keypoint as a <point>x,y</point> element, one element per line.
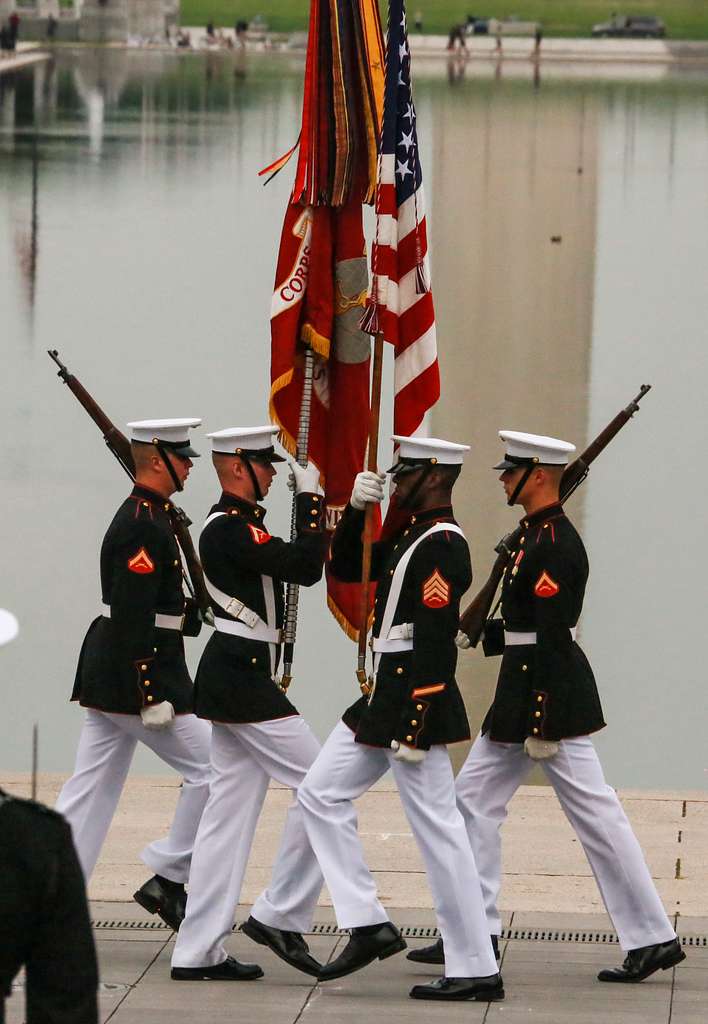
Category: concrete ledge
<point>24,55</point>
<point>653,51</point>
<point>544,866</point>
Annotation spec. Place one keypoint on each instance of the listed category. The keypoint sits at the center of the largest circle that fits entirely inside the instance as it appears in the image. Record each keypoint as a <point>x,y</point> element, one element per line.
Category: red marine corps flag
<point>322,277</point>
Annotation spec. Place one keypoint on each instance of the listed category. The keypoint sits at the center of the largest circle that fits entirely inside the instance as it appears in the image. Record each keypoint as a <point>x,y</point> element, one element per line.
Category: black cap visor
<point>258,454</point>
<point>404,466</point>
<point>181,448</point>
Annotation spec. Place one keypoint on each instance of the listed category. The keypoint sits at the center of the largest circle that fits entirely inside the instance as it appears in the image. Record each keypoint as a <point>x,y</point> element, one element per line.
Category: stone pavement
<point>547,980</point>
<point>556,934</point>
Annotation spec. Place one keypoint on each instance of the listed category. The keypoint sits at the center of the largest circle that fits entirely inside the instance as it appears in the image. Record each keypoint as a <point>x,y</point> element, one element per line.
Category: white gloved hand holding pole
<point>540,750</point>
<point>158,716</point>
<point>410,755</point>
<point>304,479</point>
<point>368,487</point>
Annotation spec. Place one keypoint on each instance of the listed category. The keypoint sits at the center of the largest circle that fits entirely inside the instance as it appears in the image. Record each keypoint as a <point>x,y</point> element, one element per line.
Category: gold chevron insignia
<point>436,591</point>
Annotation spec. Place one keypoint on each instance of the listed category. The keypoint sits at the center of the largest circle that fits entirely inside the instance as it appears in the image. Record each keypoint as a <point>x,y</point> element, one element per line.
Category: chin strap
<point>170,467</point>
<point>521,484</point>
<point>254,480</point>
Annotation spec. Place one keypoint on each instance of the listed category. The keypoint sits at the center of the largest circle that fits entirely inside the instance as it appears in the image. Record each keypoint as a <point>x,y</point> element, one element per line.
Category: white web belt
<point>512,639</point>
<point>385,644</point>
<point>248,623</point>
<point>400,638</point>
<point>161,621</point>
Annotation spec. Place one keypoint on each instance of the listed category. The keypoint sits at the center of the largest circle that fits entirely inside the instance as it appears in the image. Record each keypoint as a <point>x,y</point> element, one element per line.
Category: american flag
<point>400,301</point>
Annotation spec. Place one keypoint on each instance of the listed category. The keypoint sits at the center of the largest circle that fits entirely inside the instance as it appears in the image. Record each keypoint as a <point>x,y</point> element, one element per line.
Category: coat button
<point>409,739</point>
<point>146,504</point>
<point>254,661</point>
<point>537,714</point>
<point>412,519</point>
<point>413,721</point>
<point>146,682</point>
<point>390,572</point>
<point>176,562</point>
<point>149,699</point>
<point>535,732</point>
<point>406,532</point>
<point>522,541</point>
<point>419,707</point>
<point>167,507</point>
<point>524,668</point>
<point>399,670</point>
<point>143,668</point>
<point>539,699</point>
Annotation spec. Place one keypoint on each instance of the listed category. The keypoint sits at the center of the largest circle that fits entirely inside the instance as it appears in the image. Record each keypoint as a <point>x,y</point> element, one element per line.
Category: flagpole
<point>371,463</point>
<point>293,591</point>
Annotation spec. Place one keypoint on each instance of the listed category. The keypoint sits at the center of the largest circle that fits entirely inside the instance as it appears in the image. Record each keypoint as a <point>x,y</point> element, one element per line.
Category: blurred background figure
<point>43,904</point>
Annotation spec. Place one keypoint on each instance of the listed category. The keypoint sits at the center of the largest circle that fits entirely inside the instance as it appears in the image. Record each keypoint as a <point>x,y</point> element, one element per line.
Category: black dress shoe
<point>165,898</point>
<point>478,990</point>
<point>289,946</point>
<point>435,954</point>
<point>364,946</point>
<point>228,970</point>
<point>640,963</point>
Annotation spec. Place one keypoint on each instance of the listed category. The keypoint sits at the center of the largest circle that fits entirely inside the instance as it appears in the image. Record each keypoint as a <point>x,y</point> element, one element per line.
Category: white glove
<point>410,755</point>
<point>304,479</point>
<point>368,487</point>
<point>540,750</point>
<point>158,716</point>
<point>462,640</point>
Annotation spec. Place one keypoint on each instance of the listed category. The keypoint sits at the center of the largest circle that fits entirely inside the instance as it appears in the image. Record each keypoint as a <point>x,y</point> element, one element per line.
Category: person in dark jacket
<point>257,732</point>
<point>42,901</point>
<point>545,708</point>
<point>412,710</point>
<point>132,677</point>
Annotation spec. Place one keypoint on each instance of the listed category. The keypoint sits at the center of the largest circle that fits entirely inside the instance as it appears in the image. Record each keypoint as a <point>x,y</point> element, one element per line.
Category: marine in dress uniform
<point>413,710</point>
<point>258,734</point>
<point>546,706</point>
<point>132,678</point>
<point>42,900</point>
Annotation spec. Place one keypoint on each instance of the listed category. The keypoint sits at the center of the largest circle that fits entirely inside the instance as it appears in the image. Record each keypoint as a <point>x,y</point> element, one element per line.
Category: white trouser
<point>88,799</point>
<point>244,758</point>
<point>343,771</point>
<point>486,783</point>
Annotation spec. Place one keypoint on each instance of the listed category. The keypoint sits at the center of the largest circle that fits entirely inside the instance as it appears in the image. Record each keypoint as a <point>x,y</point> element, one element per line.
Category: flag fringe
<point>287,440</point>
<point>317,342</point>
<point>344,622</point>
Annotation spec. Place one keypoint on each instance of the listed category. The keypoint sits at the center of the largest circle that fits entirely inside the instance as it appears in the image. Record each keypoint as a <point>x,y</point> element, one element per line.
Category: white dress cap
<point>429,449</point>
<point>9,627</point>
<point>173,434</point>
<point>528,449</point>
<point>254,441</point>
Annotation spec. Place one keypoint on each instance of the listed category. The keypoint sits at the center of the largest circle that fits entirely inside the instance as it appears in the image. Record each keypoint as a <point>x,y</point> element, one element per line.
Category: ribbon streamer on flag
<point>321,277</point>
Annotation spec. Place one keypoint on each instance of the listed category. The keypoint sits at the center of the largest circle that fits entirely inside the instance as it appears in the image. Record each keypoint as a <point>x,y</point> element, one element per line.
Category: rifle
<point>475,616</point>
<point>119,445</point>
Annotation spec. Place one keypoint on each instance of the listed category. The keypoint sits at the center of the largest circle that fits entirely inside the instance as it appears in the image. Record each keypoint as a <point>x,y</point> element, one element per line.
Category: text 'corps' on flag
<point>400,303</point>
<point>319,296</point>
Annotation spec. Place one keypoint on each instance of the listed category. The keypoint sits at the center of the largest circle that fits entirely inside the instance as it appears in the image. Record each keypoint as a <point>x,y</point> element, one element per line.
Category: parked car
<point>623,26</point>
